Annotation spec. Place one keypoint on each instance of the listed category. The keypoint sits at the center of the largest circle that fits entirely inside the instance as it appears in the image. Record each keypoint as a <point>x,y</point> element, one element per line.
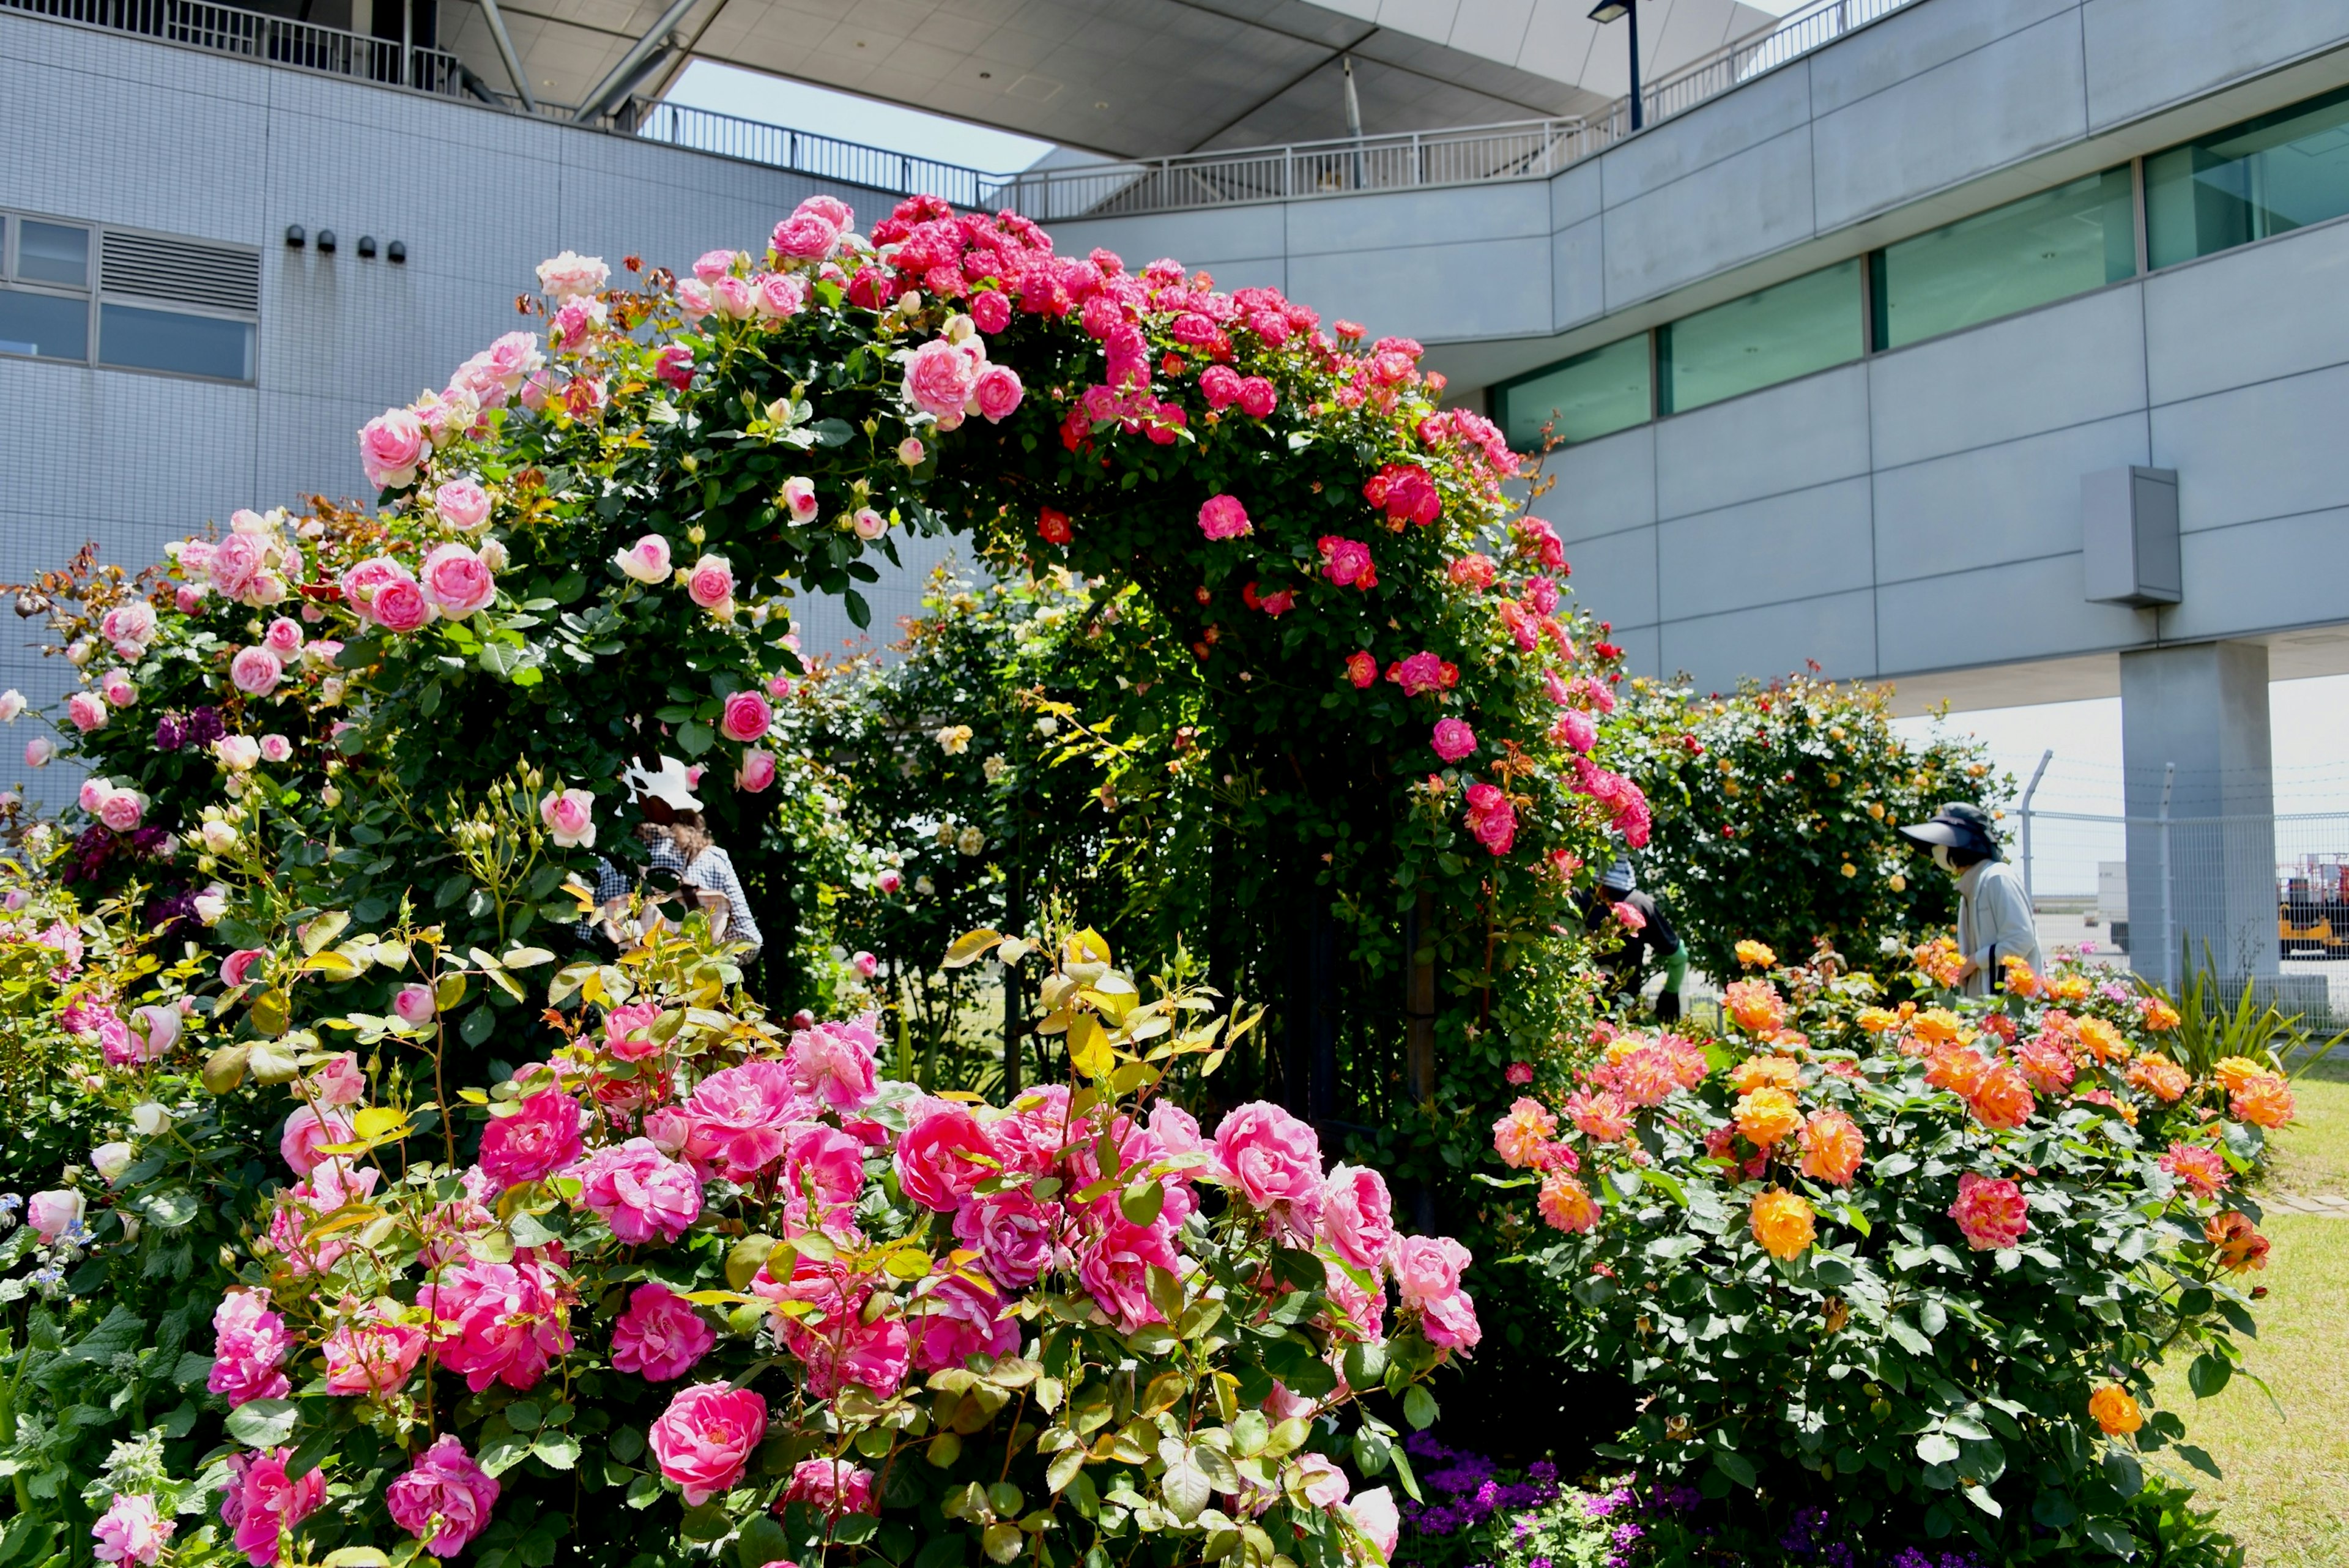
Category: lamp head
<point>1610,10</point>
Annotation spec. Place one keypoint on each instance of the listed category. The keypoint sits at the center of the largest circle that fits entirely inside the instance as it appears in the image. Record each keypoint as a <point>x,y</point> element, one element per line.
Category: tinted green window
<point>2266,176</point>
<point>167,340</point>
<point>52,253</point>
<point>2045,247</point>
<point>1580,399</point>
<point>53,326</point>
<point>1806,324</point>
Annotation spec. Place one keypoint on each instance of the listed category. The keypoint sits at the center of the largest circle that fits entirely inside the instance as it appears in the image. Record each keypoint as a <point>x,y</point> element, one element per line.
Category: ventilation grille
<point>180,271</point>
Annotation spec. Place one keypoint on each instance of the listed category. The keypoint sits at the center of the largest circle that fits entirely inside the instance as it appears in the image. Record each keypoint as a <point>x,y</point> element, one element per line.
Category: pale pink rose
<point>122,810</point>
<point>706,1437</point>
<point>888,882</point>
<point>12,705</point>
<point>414,1003</point>
<point>639,1192</point>
<point>869,523</point>
<point>758,770</point>
<point>131,1531</point>
<point>939,379</point>
<point>456,582</point>
<point>998,392</point>
<point>154,1030</point>
<point>1323,1483</point>
<point>236,560</point>
<point>910,451</point>
<point>805,236</point>
<point>776,295</point>
<point>511,358</point>
<point>571,276</point>
<point>52,1212</point>
<point>1358,1216</point>
<point>130,625</point>
<point>865,965</point>
<point>669,1129</point>
<point>92,794</point>
<point>745,717</point>
<point>831,208</point>
<point>711,582</point>
<point>463,503</point>
<point>1373,1513</point>
<point>283,638</point>
<point>1273,1159</point>
<point>38,751</point>
<point>732,298</point>
<point>189,597</point>
<point>276,748</point>
<point>647,560</point>
<point>307,1132</point>
<point>255,671</point>
<point>693,298</point>
<point>338,1081</point>
<point>799,497</point>
<point>116,688</point>
<point>1223,517</point>
<point>569,817</point>
<point>366,584</point>
<point>392,446</point>
<point>443,1499</point>
<point>659,1336</point>
<point>88,710</point>
<point>237,753</point>
<point>711,265</point>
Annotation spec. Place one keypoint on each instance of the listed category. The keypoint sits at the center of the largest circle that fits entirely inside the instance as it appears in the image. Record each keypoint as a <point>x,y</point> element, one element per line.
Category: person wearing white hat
<point>682,853</point>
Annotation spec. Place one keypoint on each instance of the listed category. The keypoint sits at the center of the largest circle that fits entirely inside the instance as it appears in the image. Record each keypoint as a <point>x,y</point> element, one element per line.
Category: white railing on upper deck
<point>256,36</point>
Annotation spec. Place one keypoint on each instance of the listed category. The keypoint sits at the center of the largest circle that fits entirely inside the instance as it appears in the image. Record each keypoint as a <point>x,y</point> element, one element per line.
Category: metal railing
<point>804,153</point>
<point>1526,149</point>
<point>253,36</point>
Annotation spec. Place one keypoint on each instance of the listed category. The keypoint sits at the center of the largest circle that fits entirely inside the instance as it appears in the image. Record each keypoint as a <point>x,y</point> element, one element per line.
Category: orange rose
<point>1783,1223</point>
<point>1775,1072</point>
<point>2071,988</point>
<point>2159,1016</point>
<point>2021,981</point>
<point>1755,955</point>
<point>2115,1410</point>
<point>1520,1135</point>
<point>1567,1205</point>
<point>1755,1006</point>
<point>2239,1244</point>
<point>1940,961</point>
<point>1832,1148</point>
<point>2101,1038</point>
<point>1768,1115</point>
<point>1939,1026</point>
<point>2159,1077</point>
<point>1878,1019</point>
<point>1956,1067</point>
<point>2234,1072</point>
<point>2002,1099</point>
<point>2264,1101</point>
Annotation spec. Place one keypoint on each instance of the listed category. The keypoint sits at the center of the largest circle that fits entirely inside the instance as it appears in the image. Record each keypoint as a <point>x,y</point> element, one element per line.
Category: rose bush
<point>1909,1265</point>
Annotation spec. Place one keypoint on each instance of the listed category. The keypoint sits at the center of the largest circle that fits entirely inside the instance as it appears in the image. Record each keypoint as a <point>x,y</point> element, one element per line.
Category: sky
<point>752,95</point>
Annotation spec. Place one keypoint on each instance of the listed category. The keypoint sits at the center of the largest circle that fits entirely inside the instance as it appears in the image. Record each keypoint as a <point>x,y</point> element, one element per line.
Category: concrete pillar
<point>2210,875</point>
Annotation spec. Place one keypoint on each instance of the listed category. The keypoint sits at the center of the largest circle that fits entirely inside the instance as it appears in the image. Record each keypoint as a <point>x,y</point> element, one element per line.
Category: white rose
<point>151,1119</point>
<point>219,839</point>
<point>970,841</point>
<point>110,1160</point>
<point>994,768</point>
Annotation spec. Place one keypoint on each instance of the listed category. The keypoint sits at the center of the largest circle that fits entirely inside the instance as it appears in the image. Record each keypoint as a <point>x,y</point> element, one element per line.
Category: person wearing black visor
<point>1994,922</point>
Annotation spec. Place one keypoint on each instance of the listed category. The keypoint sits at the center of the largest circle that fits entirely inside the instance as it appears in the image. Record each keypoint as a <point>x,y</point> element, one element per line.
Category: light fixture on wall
<point>326,242</point>
<point>295,236</point>
<point>1607,11</point>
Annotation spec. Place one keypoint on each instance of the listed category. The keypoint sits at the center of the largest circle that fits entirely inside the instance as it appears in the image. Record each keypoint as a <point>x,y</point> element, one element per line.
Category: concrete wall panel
<point>1768,106</point>
<point>1837,631</point>
<point>2248,315</point>
<point>2023,609</point>
<point>2294,569</point>
<point>2017,501</point>
<point>1916,39</point>
<point>2139,59</point>
<point>1577,262</point>
<point>1615,577</point>
<point>1788,438</point>
<point>1792,546</point>
<point>1418,218</point>
<point>1603,486</point>
<point>2272,450</point>
<point>1483,289</point>
<point>1743,206</point>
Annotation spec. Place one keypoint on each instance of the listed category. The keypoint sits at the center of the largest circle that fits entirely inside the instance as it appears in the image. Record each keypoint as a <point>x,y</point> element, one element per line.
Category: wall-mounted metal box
<point>2128,536</point>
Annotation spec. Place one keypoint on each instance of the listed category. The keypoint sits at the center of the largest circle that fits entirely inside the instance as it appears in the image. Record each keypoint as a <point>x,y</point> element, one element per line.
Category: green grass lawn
<point>2286,1491</point>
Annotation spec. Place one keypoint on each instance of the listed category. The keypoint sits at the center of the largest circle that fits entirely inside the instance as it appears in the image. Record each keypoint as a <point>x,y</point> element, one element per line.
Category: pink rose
<point>706,1437</point>
<point>1450,1322</point>
<point>415,1004</point>
<point>805,236</point>
<point>745,717</point>
<point>38,751</point>
<point>89,711</point>
<point>1323,1483</point>
<point>463,503</point>
<point>53,1212</point>
<point>1575,731</point>
<point>940,377</point>
<point>237,967</point>
<point>307,1132</point>
<point>276,748</point>
<point>1427,1268</point>
<point>457,582</point>
<point>659,1336</point>
<point>1358,1216</point>
<point>756,771</point>
<point>798,498</point>
<point>444,1498</point>
<point>731,295</point>
<point>694,298</point>
<point>372,1356</point>
<point>251,1343</point>
<point>628,1030</point>
<point>833,1063</point>
<point>130,1531</point>
<point>710,582</point>
<point>990,311</point>
<point>153,1030</point>
<point>831,208</point>
<point>942,1157</point>
<point>1220,385</point>
<point>1273,1159</point>
<point>674,365</point>
<point>1373,1513</point>
<point>499,1323</point>
<point>778,294</point>
<point>1257,397</point>
<point>869,523</point>
<point>381,591</point>
<point>954,1316</point>
<point>647,560</point>
<point>1011,1233</point>
<point>1114,1268</point>
<point>831,1487</point>
<point>889,881</point>
<point>1223,517</point>
<point>569,815</point>
<point>116,688</point>
<point>122,810</point>
<point>711,265</point>
<point>391,447</point>
<point>736,1119</point>
<point>998,392</point>
<point>337,1081</point>
<point>283,638</point>
<point>255,671</point>
<point>1453,739</point>
<point>1347,562</point>
<point>537,1141</point>
<point>261,1502</point>
<point>864,964</point>
<point>639,1191</point>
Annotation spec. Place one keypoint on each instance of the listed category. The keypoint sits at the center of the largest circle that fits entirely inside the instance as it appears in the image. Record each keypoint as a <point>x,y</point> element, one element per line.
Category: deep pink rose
<point>674,365</point>
<point>372,1356</point>
<point>1347,561</point>
<point>737,1118</point>
<point>706,1437</point>
<point>833,1063</point>
<point>942,1156</point>
<point>639,1192</point>
<point>1257,397</point>
<point>444,1498</point>
<point>831,1487</point>
<point>537,1141</point>
<point>955,1316</point>
<point>1220,385</point>
<point>805,236</point>
<point>1273,1159</point>
<point>1114,1268</point>
<point>628,1030</point>
<point>756,771</point>
<point>999,393</point>
<point>1358,1216</point>
<point>745,717</point>
<point>990,311</point>
<point>237,967</point>
<point>457,582</point>
<point>1453,739</point>
<point>1491,817</point>
<point>1011,1233</point>
<point>660,1337</point>
<point>500,1322</point>
<point>1223,517</point>
<point>261,1502</point>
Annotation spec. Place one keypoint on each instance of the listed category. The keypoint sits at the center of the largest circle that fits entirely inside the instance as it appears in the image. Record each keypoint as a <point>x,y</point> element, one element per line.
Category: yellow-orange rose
<point>1755,1006</point>
<point>2115,1410</point>
<point>1878,1020</point>
<point>1755,955</point>
<point>2159,1015</point>
<point>2101,1038</point>
<point>2234,1072</point>
<point>1760,1072</point>
<point>1782,1223</point>
<point>1940,1026</point>
<point>2264,1100</point>
<point>2159,1077</point>
<point>1767,1115</point>
<point>1832,1148</point>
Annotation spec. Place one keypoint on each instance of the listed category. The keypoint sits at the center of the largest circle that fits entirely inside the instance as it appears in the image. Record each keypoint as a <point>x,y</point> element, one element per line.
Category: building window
<point>2044,247</point>
<point>1804,325</point>
<point>1581,399</point>
<point>2266,176</point>
<point>91,294</point>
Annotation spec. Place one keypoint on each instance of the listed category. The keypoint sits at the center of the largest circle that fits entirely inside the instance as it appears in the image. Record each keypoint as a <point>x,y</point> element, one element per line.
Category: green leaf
<point>2209,1374</point>
<point>2122,1470</point>
<point>695,739</point>
<point>264,1423</point>
<point>1937,1448</point>
<point>478,1025</point>
<point>1063,1469</point>
<point>1419,1407</point>
<point>2201,1460</point>
<point>501,1454</point>
<point>763,1540</point>
<point>1736,1467</point>
<point>860,614</point>
<point>560,1450</point>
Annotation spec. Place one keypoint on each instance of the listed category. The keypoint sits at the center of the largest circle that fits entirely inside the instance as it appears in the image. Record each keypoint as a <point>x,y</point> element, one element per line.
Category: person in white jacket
<point>1994,922</point>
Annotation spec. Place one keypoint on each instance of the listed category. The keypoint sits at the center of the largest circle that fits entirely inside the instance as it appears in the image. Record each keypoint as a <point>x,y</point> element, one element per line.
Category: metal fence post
<point>2168,932</point>
<point>2029,894</point>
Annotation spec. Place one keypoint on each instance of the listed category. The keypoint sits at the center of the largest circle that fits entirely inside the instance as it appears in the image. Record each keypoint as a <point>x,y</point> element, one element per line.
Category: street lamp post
<point>1608,11</point>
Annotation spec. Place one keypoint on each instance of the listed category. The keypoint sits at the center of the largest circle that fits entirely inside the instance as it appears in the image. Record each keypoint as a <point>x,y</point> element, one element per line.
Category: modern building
<point>1992,346</point>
